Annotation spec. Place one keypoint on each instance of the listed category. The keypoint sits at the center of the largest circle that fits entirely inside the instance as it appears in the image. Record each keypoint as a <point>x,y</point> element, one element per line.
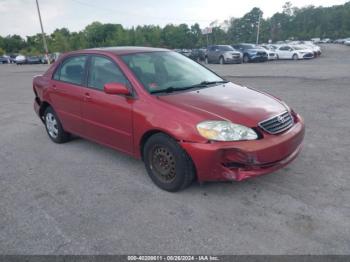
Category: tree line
<point>291,23</point>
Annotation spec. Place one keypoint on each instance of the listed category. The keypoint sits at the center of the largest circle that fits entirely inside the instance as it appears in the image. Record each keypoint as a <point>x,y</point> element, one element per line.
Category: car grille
<point>308,55</point>
<point>277,124</point>
<point>261,54</point>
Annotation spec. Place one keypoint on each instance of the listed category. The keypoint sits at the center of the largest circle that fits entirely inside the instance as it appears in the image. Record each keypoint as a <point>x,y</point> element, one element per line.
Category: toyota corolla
<point>184,121</point>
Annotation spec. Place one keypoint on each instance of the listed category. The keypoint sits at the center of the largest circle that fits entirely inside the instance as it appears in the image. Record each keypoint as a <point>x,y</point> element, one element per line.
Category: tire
<point>221,60</point>
<point>245,59</point>
<point>167,164</point>
<point>277,57</point>
<point>295,57</point>
<point>54,127</point>
<point>206,60</point>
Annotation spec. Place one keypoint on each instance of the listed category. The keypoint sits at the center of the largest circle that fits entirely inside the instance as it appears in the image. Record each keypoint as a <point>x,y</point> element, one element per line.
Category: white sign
<point>207,30</point>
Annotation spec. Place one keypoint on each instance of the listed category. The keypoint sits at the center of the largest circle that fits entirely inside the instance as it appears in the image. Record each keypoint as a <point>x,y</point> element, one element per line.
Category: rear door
<point>107,118</point>
<point>67,92</point>
<point>284,53</point>
<point>211,53</point>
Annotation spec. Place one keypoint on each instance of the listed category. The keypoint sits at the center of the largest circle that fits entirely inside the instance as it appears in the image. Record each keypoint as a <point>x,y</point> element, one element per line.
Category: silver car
<point>223,54</point>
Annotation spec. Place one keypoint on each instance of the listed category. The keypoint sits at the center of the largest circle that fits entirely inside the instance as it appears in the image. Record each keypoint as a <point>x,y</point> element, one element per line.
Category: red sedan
<point>184,121</point>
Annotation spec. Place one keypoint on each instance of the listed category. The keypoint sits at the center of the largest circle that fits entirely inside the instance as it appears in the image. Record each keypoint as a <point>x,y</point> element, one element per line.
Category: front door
<point>107,118</point>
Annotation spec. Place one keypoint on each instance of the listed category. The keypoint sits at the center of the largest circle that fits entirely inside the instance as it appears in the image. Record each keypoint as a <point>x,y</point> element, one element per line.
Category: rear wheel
<point>54,127</point>
<point>167,164</point>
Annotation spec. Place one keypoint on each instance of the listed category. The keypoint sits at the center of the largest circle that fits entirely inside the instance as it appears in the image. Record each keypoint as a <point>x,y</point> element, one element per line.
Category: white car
<point>293,52</point>
<point>271,53</point>
<point>347,41</point>
<point>20,59</point>
<point>315,48</point>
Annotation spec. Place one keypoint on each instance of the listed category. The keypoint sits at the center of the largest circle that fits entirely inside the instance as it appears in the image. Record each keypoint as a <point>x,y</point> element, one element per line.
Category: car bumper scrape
<point>244,159</point>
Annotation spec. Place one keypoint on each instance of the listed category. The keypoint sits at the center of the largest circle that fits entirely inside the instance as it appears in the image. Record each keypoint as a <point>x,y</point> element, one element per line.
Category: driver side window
<point>103,71</point>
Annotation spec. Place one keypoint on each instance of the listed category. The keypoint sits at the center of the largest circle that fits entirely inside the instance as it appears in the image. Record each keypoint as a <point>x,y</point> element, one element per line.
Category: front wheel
<point>54,127</point>
<point>167,164</point>
<point>245,59</point>
<point>295,57</point>
<point>206,60</point>
<point>221,60</point>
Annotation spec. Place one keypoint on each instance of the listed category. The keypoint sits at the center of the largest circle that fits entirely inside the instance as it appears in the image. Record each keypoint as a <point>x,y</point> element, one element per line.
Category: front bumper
<point>308,56</point>
<point>241,160</point>
<point>258,58</point>
<point>233,60</point>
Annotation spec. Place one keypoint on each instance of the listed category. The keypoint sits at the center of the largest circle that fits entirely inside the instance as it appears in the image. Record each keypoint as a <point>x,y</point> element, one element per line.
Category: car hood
<point>230,102</point>
<point>305,50</point>
<point>232,52</point>
<point>256,50</point>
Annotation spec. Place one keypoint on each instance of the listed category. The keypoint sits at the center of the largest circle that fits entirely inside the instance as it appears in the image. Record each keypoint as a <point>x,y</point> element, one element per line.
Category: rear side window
<point>72,70</point>
<point>284,48</point>
<point>103,71</point>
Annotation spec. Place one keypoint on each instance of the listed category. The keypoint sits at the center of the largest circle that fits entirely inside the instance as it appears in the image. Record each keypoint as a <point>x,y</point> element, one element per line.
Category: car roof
<point>122,50</point>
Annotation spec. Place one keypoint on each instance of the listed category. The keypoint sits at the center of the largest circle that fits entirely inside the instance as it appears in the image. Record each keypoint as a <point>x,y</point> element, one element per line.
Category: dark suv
<point>252,53</point>
<point>222,54</point>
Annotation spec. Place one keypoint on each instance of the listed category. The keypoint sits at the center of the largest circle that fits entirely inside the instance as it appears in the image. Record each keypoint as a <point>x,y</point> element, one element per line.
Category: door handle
<point>87,97</point>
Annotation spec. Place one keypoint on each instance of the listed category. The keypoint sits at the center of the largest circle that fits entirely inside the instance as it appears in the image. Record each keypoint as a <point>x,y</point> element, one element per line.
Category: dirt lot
<point>82,198</point>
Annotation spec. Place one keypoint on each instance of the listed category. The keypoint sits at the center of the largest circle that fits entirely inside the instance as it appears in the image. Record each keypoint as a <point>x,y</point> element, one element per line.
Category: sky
<point>20,16</point>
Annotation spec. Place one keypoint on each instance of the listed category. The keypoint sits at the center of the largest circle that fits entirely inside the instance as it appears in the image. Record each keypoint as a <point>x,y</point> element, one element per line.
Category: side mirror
<point>116,89</point>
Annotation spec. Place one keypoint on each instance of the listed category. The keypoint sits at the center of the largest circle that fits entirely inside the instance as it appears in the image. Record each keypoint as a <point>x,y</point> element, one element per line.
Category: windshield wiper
<point>206,83</point>
<point>171,89</point>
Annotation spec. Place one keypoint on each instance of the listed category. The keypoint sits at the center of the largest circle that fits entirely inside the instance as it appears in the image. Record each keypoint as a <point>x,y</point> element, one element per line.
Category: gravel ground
<point>82,198</point>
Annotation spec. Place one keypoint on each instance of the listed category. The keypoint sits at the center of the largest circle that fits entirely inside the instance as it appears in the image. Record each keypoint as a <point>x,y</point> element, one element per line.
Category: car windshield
<point>249,46</point>
<point>169,71</point>
<point>226,48</point>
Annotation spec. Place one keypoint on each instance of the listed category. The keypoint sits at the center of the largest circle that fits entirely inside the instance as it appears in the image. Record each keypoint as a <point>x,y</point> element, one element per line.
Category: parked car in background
<point>32,60</point>
<point>310,45</point>
<point>271,53</point>
<point>342,40</point>
<point>252,53</point>
<point>185,52</point>
<point>315,40</point>
<point>347,42</point>
<point>5,59</point>
<point>20,60</point>
<point>294,52</point>
<point>185,122</point>
<point>13,58</point>
<point>223,54</point>
<point>325,41</point>
<point>198,54</point>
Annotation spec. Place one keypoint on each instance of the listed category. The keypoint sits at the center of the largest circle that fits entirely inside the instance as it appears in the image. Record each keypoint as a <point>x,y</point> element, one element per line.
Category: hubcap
<point>163,163</point>
<point>51,125</point>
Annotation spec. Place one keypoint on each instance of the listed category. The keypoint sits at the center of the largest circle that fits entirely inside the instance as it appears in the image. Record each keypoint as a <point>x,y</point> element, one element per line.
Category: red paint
<point>116,89</point>
<point>121,121</point>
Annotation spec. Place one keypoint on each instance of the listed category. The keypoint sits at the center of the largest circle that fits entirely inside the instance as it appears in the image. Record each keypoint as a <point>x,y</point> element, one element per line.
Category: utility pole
<point>258,31</point>
<point>43,33</point>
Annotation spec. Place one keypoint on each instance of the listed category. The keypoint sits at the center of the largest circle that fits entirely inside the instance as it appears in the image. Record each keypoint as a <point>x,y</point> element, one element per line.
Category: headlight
<point>225,131</point>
